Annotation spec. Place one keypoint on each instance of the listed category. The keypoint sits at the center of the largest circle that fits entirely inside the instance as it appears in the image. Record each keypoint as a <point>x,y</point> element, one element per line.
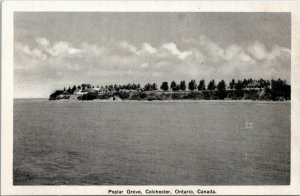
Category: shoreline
<point>153,101</point>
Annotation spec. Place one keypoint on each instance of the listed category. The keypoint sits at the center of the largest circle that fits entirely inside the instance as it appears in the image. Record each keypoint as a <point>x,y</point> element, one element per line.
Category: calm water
<point>151,143</point>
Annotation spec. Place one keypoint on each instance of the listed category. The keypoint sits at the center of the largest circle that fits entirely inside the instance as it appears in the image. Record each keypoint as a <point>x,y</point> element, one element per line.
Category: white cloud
<point>174,50</point>
<point>57,48</point>
<point>277,52</point>
<point>129,47</point>
<point>258,50</point>
<point>213,51</point>
<point>121,62</point>
<point>34,53</point>
<point>73,51</point>
<point>236,53</point>
<point>149,48</point>
<point>93,50</point>
<point>246,58</point>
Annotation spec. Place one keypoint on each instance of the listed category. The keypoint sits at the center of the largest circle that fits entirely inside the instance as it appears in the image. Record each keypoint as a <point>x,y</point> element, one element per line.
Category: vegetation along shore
<point>247,89</point>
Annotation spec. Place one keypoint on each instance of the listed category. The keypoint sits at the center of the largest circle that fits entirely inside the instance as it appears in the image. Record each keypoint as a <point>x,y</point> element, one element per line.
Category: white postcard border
<point>10,7</point>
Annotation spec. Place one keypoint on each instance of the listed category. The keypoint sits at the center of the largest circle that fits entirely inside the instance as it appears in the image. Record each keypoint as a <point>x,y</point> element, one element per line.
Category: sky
<point>53,50</point>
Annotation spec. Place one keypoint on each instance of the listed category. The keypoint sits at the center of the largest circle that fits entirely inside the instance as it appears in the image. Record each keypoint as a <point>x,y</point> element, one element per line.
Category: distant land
<point>247,89</point>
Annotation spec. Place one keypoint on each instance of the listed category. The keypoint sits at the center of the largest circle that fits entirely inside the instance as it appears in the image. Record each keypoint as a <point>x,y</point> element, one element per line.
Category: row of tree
<point>192,85</point>
<point>271,90</point>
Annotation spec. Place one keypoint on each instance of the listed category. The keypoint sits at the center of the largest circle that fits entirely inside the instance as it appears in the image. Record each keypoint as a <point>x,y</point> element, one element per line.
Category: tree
<point>164,86</point>
<point>232,84</point>
<point>201,85</point>
<point>128,86</point>
<point>176,88</point>
<point>221,86</point>
<point>89,96</point>
<point>192,85</point>
<point>64,89</point>
<point>173,85</point>
<point>111,87</point>
<point>263,83</point>
<point>133,86</point>
<point>147,87</point>
<point>182,85</point>
<point>69,90</point>
<point>55,94</point>
<point>154,87</point>
<point>245,82</point>
<point>73,89</point>
<point>280,89</point>
<point>83,86</point>
<point>239,85</point>
<point>211,85</point>
<point>268,83</point>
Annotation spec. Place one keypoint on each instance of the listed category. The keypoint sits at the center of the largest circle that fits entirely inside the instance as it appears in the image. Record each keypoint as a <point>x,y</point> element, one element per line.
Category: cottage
<point>254,85</point>
<point>96,89</point>
<point>80,92</point>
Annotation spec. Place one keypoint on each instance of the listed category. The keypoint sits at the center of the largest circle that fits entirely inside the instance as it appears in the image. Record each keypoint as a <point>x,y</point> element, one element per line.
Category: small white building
<point>80,92</point>
<point>254,85</point>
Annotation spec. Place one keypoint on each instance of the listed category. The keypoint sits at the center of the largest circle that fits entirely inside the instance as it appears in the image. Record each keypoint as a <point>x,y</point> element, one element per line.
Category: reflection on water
<point>140,143</point>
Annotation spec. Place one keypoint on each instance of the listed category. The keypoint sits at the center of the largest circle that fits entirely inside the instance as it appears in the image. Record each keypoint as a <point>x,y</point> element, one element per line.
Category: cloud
<point>93,50</point>
<point>214,52</point>
<point>174,50</point>
<point>42,41</point>
<point>112,61</point>
<point>125,45</point>
<point>57,48</point>
<point>147,47</point>
<point>258,50</point>
<point>34,53</point>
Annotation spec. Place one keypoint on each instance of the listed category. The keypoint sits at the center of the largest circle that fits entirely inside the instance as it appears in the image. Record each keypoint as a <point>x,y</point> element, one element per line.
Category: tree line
<point>235,89</point>
<point>212,85</point>
<point>192,85</point>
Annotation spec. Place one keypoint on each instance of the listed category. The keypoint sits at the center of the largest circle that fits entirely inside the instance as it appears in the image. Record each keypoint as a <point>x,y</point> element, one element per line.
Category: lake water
<point>151,143</point>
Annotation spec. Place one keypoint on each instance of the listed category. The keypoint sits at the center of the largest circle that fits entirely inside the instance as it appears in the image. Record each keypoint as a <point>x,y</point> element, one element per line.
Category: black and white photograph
<point>144,98</point>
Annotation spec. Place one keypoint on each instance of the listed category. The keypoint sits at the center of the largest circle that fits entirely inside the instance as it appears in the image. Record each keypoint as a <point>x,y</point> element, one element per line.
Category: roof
<point>253,84</point>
